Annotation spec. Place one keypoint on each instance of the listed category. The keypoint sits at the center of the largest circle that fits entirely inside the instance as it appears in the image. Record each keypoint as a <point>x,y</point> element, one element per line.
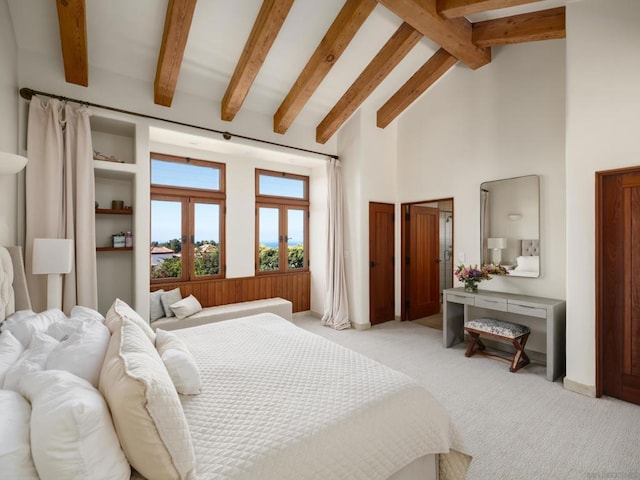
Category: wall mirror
<point>510,224</point>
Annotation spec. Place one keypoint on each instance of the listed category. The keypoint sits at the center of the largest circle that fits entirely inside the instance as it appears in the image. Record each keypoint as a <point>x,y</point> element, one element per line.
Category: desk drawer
<point>527,310</point>
<point>459,298</point>
<point>492,303</point>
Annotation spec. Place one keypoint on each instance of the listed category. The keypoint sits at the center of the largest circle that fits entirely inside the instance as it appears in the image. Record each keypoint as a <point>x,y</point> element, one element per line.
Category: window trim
<point>283,204</point>
<point>188,197</point>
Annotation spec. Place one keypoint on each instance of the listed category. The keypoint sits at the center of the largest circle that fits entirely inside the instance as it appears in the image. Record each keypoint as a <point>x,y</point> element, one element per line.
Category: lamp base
<point>54,291</point>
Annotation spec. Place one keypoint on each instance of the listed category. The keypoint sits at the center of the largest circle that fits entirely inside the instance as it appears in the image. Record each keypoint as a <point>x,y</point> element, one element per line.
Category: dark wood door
<point>423,262</point>
<point>381,262</point>
<point>618,286</point>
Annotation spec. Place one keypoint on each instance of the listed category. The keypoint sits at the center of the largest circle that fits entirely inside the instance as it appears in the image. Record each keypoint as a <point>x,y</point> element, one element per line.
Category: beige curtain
<point>336,306</point>
<point>60,196</point>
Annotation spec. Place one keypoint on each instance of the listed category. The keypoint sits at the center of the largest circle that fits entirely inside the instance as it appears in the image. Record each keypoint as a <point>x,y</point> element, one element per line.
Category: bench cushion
<point>497,327</point>
<point>276,305</point>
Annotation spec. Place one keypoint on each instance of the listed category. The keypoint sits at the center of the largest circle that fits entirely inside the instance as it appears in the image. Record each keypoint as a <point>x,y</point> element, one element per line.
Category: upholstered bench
<point>513,333</point>
<point>276,305</point>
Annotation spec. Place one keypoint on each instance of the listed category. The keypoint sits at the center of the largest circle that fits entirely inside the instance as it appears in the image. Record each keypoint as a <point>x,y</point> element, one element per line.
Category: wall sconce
<point>10,163</point>
<point>496,245</point>
<point>53,257</point>
<point>514,216</point>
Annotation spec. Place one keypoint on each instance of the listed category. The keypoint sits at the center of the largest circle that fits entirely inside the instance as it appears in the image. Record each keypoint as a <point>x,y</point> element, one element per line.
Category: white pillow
<point>120,310</point>
<point>86,313</point>
<point>83,352</point>
<point>169,298</point>
<point>32,360</point>
<point>72,436</point>
<point>179,361</point>
<point>63,329</point>
<point>156,310</point>
<point>528,263</point>
<point>10,351</point>
<point>22,328</point>
<point>185,307</point>
<point>145,407</point>
<point>15,444</point>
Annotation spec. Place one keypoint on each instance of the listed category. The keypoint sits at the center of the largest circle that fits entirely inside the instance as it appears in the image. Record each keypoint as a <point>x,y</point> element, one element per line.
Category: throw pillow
<point>185,307</point>
<point>119,311</point>
<point>156,310</point>
<point>169,298</point>
<point>179,361</point>
<point>145,407</point>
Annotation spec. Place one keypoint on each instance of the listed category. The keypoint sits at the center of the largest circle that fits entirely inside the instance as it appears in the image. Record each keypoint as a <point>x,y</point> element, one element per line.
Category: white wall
<point>368,155</point>
<point>8,126</point>
<point>603,126</point>
<point>504,120</point>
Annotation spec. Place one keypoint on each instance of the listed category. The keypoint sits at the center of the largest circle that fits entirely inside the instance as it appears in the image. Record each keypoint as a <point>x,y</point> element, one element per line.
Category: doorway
<point>427,253</point>
<point>381,262</point>
<point>618,284</point>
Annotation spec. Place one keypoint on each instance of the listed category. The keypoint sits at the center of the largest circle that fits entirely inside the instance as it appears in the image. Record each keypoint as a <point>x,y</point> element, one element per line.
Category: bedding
<point>281,403</point>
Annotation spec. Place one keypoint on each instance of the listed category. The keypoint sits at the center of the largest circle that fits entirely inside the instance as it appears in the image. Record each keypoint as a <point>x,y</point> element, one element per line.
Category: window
<point>187,219</point>
<point>282,227</point>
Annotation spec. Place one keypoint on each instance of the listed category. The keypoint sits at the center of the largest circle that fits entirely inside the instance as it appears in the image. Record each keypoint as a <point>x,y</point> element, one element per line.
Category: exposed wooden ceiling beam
<point>426,76</point>
<point>462,8</point>
<point>72,19</point>
<point>177,24</point>
<point>528,27</point>
<point>264,32</point>
<point>452,35</point>
<point>396,48</point>
<point>334,43</point>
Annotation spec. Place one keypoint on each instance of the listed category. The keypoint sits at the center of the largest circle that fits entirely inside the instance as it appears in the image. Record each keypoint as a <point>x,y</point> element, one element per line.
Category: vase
<point>471,287</point>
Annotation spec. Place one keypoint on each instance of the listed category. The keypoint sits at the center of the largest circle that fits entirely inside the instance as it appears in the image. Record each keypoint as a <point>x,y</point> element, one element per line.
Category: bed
<point>278,402</point>
<point>528,259</point>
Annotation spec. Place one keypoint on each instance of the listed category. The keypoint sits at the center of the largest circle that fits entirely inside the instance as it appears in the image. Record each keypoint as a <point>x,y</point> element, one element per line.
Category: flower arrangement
<point>472,275</point>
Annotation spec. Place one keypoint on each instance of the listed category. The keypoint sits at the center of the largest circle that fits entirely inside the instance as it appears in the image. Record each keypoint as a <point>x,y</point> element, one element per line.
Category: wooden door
<point>423,262</point>
<point>618,285</point>
<point>381,262</point>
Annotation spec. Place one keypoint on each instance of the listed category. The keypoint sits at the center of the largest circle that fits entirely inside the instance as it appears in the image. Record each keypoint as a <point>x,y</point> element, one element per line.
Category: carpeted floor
<point>516,425</point>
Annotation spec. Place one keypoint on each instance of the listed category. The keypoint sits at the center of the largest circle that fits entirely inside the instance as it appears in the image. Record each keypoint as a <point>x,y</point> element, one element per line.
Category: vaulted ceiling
<point>299,61</point>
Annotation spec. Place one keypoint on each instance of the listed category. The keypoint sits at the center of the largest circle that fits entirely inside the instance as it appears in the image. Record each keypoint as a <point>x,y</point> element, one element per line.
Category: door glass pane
<point>268,232</point>
<point>281,186</point>
<point>295,240</point>
<point>166,232</point>
<point>177,174</point>
<point>206,238</point>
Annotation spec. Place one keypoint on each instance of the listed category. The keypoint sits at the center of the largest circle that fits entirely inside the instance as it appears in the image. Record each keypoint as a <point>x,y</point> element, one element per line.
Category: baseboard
<point>361,326</point>
<point>577,387</point>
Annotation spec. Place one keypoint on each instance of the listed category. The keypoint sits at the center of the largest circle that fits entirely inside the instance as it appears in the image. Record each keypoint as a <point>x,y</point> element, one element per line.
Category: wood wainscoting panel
<point>295,287</point>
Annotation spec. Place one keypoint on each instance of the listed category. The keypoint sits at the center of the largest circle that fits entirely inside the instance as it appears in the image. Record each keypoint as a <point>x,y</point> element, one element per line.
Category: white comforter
<point>281,403</point>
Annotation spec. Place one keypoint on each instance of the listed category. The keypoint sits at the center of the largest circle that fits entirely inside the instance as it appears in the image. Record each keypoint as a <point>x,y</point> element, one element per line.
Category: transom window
<point>187,219</point>
<point>282,222</point>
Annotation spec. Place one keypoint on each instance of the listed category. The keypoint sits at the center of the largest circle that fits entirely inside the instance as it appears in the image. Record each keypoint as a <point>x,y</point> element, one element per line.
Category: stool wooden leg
<point>475,338</point>
<point>520,359</point>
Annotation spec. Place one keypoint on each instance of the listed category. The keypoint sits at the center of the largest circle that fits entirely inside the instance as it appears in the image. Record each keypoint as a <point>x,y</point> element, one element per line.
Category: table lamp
<point>53,257</point>
<point>496,245</point>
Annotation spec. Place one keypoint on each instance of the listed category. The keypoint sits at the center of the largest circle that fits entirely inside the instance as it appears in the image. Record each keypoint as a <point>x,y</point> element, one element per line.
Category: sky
<point>166,215</point>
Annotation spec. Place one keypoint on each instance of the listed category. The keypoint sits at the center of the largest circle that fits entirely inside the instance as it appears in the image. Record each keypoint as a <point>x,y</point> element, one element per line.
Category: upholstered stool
<point>513,333</point>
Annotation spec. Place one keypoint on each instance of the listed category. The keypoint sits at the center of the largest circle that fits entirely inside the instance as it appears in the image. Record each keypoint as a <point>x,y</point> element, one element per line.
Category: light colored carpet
<point>517,426</point>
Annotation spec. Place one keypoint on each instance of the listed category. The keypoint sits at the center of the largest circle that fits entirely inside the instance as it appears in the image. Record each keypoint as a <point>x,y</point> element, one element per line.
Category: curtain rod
<point>27,93</point>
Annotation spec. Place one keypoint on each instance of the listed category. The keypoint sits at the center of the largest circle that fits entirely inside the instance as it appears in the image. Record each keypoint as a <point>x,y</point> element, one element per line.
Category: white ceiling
<point>124,36</point>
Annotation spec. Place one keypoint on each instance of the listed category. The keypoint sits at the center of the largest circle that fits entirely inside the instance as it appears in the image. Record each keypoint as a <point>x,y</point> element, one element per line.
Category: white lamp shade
<point>497,243</point>
<point>52,255</point>
<point>10,163</point>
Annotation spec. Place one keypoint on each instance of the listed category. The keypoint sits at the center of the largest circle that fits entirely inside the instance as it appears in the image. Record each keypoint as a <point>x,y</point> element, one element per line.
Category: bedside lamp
<point>53,257</point>
<point>496,245</point>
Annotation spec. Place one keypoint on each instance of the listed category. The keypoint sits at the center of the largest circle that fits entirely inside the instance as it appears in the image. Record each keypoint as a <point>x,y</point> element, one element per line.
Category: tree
<point>207,261</point>
<point>269,258</point>
<point>296,256</point>
<point>169,268</point>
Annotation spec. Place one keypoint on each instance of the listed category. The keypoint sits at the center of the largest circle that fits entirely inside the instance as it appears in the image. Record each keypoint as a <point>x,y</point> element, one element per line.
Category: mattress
<point>281,403</point>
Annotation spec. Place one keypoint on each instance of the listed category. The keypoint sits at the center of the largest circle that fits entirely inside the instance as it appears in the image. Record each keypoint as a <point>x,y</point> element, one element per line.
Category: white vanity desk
<point>457,304</point>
